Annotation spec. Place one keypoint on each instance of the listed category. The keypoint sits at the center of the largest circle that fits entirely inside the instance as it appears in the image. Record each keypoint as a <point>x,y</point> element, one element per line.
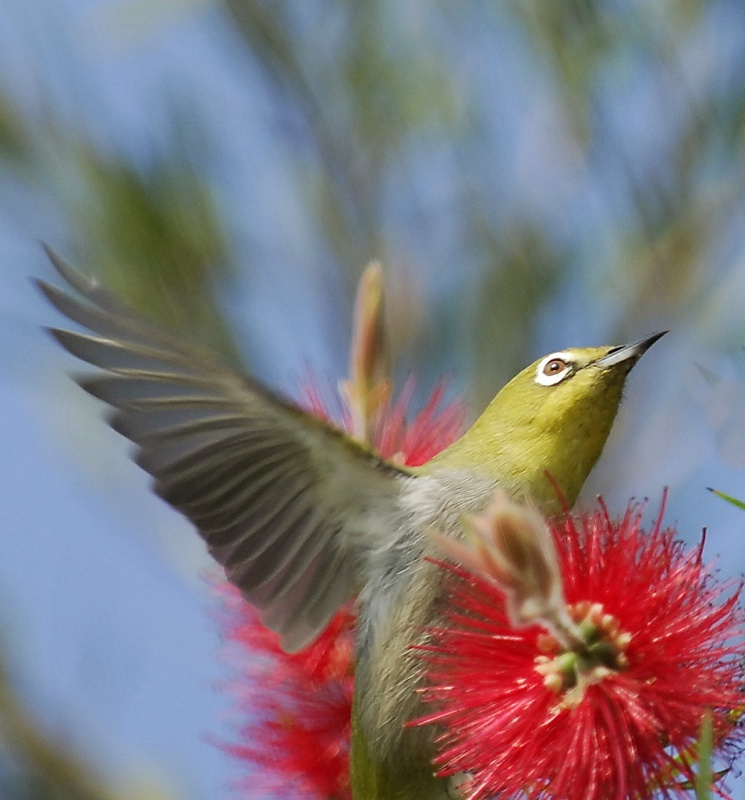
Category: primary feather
<point>284,502</point>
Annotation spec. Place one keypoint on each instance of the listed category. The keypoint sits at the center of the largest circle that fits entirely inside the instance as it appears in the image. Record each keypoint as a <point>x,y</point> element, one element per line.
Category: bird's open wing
<point>283,500</point>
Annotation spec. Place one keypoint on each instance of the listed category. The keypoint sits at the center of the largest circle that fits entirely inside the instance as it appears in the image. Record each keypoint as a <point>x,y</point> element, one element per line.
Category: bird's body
<point>399,596</point>
<point>303,518</point>
<point>501,451</point>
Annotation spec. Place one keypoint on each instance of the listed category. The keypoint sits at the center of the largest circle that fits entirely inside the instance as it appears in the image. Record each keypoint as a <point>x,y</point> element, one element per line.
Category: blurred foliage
<point>359,88</point>
<point>390,123</point>
<point>683,201</point>
<point>506,309</point>
<point>156,239</point>
<point>13,145</point>
<point>36,766</point>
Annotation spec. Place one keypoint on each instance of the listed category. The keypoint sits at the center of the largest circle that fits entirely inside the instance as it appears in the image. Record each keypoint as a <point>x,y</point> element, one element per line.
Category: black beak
<point>628,351</point>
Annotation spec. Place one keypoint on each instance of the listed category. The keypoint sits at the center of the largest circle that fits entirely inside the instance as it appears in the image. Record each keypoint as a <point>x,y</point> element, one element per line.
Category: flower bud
<point>368,387</point>
<point>512,545</point>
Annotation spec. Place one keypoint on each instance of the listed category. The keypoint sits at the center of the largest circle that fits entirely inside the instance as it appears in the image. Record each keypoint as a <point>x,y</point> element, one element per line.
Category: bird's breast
<point>400,598</point>
<point>435,502</point>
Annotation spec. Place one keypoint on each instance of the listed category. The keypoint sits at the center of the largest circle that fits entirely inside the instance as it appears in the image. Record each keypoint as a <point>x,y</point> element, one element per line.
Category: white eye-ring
<point>554,369</point>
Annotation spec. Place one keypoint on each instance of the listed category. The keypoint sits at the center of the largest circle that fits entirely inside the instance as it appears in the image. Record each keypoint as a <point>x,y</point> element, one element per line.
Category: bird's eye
<point>553,369</point>
<point>554,366</point>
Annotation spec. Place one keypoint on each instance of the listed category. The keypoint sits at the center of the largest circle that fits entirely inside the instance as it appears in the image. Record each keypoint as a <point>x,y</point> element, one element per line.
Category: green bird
<point>304,518</point>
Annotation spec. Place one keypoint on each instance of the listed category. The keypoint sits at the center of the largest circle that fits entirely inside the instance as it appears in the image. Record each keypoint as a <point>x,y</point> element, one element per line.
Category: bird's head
<point>554,417</point>
<point>567,390</point>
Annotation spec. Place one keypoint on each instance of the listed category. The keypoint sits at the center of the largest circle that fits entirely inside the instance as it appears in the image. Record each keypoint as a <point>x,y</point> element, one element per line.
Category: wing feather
<point>171,457</point>
<point>119,391</point>
<point>122,356</point>
<point>275,558</point>
<point>243,552</point>
<point>231,482</point>
<point>287,504</point>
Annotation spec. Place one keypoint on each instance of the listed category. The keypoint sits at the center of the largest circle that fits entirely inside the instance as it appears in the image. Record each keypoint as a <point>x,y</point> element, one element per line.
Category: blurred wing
<point>283,501</point>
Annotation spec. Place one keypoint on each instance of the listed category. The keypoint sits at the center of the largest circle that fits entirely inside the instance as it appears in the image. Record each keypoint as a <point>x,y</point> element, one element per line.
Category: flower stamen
<point>597,653</point>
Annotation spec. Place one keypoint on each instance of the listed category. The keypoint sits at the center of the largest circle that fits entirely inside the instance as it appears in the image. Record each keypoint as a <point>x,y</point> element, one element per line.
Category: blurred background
<point>533,175</point>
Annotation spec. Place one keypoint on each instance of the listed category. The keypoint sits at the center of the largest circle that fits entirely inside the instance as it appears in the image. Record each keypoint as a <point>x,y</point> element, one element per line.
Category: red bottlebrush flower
<point>616,716</point>
<point>392,433</point>
<point>298,706</point>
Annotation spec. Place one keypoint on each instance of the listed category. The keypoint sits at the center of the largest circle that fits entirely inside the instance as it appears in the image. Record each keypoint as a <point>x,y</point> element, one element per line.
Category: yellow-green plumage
<point>537,443</point>
<point>529,430</point>
<point>302,518</point>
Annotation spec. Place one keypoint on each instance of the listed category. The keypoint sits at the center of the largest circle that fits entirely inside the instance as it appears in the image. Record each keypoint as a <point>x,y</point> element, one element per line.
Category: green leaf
<point>728,498</point>
<point>705,746</point>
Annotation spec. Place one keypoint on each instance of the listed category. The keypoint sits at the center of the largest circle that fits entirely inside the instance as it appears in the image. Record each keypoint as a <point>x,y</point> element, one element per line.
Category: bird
<point>303,518</point>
